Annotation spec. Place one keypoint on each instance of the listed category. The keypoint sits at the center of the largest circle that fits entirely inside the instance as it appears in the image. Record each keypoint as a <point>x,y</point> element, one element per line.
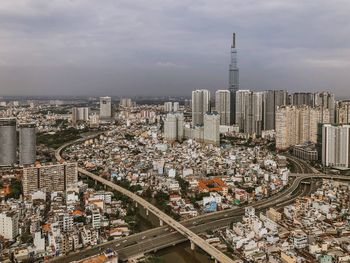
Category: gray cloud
<point>160,47</point>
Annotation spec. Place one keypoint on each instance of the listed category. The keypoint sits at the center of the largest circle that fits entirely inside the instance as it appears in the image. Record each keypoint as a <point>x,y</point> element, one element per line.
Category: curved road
<point>161,237</point>
<point>212,251</point>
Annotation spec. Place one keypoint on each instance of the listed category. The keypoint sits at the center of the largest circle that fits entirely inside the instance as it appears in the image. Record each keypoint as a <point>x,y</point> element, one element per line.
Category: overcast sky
<point>170,47</point>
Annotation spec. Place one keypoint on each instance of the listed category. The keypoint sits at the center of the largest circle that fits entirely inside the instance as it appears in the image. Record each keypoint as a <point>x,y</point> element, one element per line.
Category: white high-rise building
<point>298,124</point>
<point>96,218</point>
<point>9,225</point>
<point>336,145</point>
<point>8,141</point>
<point>126,103</point>
<point>105,108</point>
<point>80,114</point>
<point>176,106</point>
<point>241,108</point>
<point>200,106</point>
<point>27,143</point>
<point>168,106</point>
<point>211,133</point>
<point>326,100</point>
<point>174,127</point>
<point>249,111</point>
<point>253,113</point>
<point>223,106</point>
<point>343,112</point>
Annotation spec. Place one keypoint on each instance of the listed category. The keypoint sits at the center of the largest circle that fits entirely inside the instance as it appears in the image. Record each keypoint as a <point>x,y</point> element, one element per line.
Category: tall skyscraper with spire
<point>233,79</point>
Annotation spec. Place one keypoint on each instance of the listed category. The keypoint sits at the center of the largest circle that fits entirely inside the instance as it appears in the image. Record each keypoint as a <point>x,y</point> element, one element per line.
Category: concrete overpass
<point>162,237</point>
<point>190,228</point>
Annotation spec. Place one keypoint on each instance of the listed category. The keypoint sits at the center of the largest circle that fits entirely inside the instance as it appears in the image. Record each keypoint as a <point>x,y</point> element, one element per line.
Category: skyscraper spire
<point>233,40</point>
<point>233,78</point>
<point>234,74</point>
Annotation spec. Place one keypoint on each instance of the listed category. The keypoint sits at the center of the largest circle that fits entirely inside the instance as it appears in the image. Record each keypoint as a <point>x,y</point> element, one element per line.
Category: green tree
<point>15,189</point>
<point>184,185</point>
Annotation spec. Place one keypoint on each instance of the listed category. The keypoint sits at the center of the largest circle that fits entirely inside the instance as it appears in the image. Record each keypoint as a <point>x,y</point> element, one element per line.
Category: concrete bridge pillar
<point>160,222</point>
<point>136,204</point>
<point>147,212</point>
<point>193,245</point>
<point>215,261</point>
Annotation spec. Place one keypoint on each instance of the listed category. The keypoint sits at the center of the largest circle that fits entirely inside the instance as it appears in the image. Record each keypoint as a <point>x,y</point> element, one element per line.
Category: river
<point>182,253</point>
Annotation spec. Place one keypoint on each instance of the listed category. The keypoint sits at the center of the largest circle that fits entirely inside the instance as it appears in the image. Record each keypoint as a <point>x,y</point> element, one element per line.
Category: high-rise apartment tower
<point>105,108</point>
<point>200,106</point>
<point>223,106</point>
<point>27,143</point>
<point>8,141</point>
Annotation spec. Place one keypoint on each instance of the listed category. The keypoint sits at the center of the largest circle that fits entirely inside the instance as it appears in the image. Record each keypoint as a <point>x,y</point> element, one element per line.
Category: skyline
<point>170,48</point>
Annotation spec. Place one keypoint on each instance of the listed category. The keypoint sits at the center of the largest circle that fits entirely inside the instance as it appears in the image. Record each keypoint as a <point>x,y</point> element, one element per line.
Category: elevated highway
<point>216,254</point>
<point>161,237</point>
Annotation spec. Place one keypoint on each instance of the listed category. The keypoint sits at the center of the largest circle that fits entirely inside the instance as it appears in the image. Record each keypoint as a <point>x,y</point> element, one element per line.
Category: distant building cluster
<point>80,114</point>
<point>171,106</point>
<point>126,103</point>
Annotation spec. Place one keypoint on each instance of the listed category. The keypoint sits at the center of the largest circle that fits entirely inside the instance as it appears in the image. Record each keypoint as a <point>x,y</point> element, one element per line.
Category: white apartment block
<point>9,225</point>
<point>241,108</point>
<point>168,106</point>
<point>253,119</point>
<point>200,106</point>
<point>176,106</point>
<point>105,108</point>
<point>211,132</point>
<point>174,127</point>
<point>96,218</point>
<point>249,111</point>
<point>298,124</point>
<point>336,145</point>
<point>343,112</point>
<point>80,114</point>
<point>126,103</point>
<point>223,106</point>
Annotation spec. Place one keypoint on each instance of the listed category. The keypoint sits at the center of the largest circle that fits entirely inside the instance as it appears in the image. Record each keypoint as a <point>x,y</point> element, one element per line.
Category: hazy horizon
<point>160,48</point>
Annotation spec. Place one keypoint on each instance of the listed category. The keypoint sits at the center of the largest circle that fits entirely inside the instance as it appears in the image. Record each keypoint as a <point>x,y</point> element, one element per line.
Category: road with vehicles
<point>165,236</point>
<point>162,237</point>
<point>196,240</point>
